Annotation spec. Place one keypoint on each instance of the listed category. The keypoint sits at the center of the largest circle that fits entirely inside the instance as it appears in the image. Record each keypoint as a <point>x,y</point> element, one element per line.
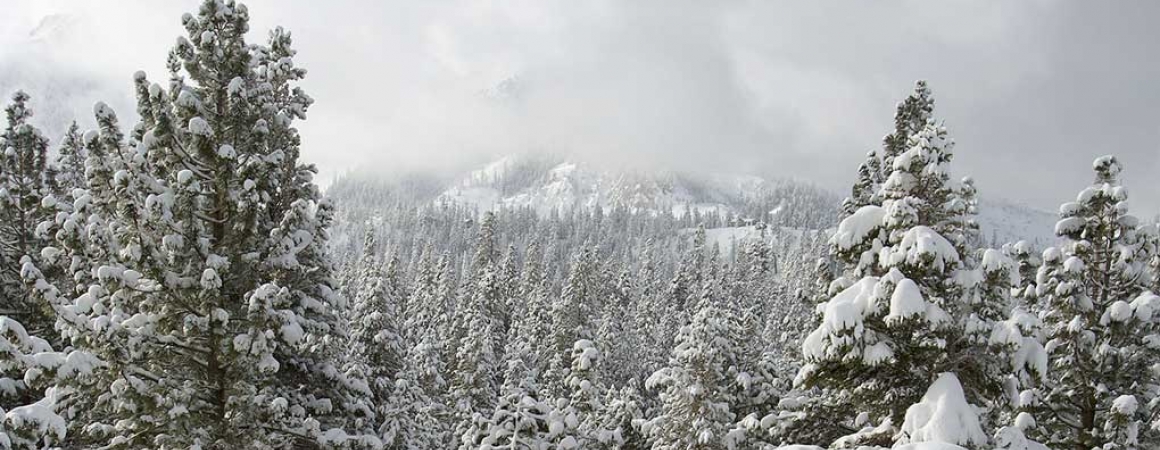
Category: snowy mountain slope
<point>731,239</point>
<point>62,88</point>
<point>566,184</point>
<point>545,184</point>
<point>1003,221</point>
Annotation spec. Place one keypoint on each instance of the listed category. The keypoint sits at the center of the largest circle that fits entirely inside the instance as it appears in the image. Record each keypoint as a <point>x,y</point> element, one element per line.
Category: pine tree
<point>70,162</point>
<point>375,347</point>
<point>912,304</point>
<point>863,191</point>
<point>475,380</point>
<point>572,318</point>
<point>620,418</point>
<point>621,361</point>
<point>650,314</point>
<point>911,116</point>
<point>421,402</point>
<point>214,304</point>
<point>27,182</point>
<point>422,307</point>
<point>582,425</point>
<point>519,422</point>
<point>89,236</point>
<point>509,289</point>
<point>697,399</point>
<point>445,309</point>
<point>27,418</point>
<point>1027,262</point>
<point>532,329</point>
<point>587,392</point>
<point>411,419</point>
<point>1101,388</point>
<point>485,290</point>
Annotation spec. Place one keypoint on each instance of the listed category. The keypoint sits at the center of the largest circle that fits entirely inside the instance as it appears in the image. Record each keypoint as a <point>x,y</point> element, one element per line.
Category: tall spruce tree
<point>375,347</point>
<point>70,162</point>
<point>911,301</point>
<point>1102,384</point>
<point>27,182</point>
<point>572,318</point>
<point>696,392</point>
<point>212,303</point>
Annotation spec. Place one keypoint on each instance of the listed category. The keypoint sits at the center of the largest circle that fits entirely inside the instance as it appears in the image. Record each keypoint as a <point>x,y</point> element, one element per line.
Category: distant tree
<point>696,393</point>
<point>375,346</point>
<point>572,318</point>
<point>70,162</point>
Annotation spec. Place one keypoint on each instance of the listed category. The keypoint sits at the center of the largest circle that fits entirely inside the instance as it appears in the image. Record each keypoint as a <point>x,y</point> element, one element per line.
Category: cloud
<point>1032,91</point>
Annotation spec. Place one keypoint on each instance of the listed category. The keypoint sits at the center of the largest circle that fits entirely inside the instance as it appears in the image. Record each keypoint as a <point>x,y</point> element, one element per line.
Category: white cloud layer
<point>1032,91</point>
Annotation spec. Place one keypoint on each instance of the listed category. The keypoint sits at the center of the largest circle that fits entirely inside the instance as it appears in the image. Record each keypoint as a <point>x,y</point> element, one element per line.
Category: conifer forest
<point>177,273</point>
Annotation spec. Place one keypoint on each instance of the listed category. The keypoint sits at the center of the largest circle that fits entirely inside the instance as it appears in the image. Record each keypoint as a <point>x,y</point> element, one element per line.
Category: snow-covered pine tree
<point>867,184</point>
<point>575,422</point>
<point>478,332</point>
<point>910,116</point>
<point>445,308</point>
<point>213,302</point>
<point>27,182</point>
<point>572,421</point>
<point>1102,385</point>
<point>510,302</point>
<point>572,318</point>
<point>521,372</point>
<point>424,370</point>
<point>678,301</point>
<point>485,288</point>
<point>519,422</point>
<point>1027,260</point>
<point>27,361</point>
<point>650,313</point>
<point>620,418</point>
<point>375,347</point>
<point>70,162</point>
<point>411,419</point>
<point>587,392</point>
<point>86,249</point>
<point>533,328</point>
<point>475,376</point>
<point>914,307</point>
<point>696,390</point>
<point>422,308</point>
<point>27,418</point>
<point>621,361</point>
<point>354,275</point>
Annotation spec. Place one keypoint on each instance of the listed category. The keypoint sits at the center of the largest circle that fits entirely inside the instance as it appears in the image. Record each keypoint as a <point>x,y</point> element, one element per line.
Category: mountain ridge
<point>547,183</point>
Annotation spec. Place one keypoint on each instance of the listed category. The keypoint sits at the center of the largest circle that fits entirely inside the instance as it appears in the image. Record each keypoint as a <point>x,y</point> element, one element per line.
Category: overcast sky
<point>1031,91</point>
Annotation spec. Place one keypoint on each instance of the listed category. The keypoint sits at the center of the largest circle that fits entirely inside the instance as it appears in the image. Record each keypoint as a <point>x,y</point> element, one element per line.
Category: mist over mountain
<point>545,183</point>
